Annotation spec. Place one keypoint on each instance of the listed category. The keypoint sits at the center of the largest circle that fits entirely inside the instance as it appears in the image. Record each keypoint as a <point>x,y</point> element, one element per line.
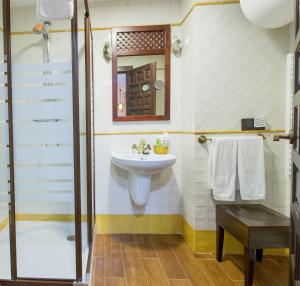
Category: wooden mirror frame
<point>132,51</point>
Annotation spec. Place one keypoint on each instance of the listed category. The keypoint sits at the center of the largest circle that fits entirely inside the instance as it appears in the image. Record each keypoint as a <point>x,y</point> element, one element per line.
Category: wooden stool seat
<point>256,227</point>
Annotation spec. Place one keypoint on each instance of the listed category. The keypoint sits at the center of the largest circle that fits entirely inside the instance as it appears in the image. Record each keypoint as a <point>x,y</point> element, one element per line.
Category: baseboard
<point>164,224</point>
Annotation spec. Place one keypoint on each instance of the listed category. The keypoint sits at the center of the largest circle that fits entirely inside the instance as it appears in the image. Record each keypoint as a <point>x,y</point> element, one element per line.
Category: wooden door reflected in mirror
<point>141,73</point>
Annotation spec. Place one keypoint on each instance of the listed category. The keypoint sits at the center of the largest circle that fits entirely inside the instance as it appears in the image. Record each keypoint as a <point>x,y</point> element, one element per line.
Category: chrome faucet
<point>142,147</point>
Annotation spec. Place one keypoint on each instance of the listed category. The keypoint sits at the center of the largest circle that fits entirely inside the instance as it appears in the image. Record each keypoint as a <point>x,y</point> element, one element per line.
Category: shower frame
<point>89,95</point>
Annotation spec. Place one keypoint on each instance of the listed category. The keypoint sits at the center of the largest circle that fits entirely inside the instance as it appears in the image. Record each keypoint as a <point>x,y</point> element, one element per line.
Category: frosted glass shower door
<point>44,178</point>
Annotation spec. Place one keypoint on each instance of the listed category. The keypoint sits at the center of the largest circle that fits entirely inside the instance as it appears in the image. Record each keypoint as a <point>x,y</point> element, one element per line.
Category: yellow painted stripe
<point>197,4</point>
<point>143,132</point>
<point>4,223</point>
<point>184,18</point>
<point>199,241</point>
<point>203,241</point>
<point>208,3</point>
<point>197,132</point>
<point>47,217</point>
<point>50,31</point>
<point>238,131</point>
<point>103,28</point>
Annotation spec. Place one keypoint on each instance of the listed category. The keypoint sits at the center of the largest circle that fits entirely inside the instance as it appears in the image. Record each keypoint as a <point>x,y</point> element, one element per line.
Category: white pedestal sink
<point>141,168</point>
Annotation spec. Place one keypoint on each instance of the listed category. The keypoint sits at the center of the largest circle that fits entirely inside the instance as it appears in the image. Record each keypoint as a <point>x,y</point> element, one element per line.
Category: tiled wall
<point>112,196</point>
<point>236,70</point>
<point>135,12</point>
<point>229,69</point>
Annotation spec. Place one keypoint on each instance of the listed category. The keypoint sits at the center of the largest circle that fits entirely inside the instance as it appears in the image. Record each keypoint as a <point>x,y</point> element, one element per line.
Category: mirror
<point>141,85</point>
<point>141,73</point>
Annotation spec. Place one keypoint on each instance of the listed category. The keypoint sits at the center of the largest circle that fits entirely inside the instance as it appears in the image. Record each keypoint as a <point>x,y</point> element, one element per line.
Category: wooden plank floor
<point>165,260</point>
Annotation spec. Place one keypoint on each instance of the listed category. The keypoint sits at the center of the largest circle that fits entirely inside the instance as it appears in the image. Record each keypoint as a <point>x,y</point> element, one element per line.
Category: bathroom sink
<point>141,168</point>
<point>143,164</point>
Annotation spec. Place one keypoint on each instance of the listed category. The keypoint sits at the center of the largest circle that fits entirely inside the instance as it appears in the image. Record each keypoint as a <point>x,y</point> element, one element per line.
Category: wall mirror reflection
<point>141,82</point>
<point>141,73</point>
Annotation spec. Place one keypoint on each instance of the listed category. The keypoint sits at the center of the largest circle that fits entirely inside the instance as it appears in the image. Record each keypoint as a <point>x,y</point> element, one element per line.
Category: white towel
<point>55,9</point>
<point>222,169</point>
<point>251,168</point>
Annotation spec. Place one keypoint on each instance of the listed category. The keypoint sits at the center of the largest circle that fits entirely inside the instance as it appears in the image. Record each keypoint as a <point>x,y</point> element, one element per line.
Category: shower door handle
<point>290,136</point>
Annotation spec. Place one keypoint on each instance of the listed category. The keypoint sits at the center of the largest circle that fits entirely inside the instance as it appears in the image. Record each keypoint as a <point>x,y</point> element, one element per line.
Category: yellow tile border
<point>199,241</point>
<point>48,217</point>
<point>45,217</point>
<point>204,241</point>
<point>188,132</point>
<point>163,224</point>
<point>4,223</point>
<point>176,24</point>
<point>198,4</point>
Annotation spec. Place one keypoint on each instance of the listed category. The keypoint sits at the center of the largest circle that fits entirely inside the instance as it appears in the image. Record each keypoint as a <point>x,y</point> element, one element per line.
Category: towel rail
<point>203,139</point>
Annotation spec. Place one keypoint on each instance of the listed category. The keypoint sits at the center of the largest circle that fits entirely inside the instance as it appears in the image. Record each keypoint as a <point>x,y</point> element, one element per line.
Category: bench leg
<point>220,242</point>
<point>249,266</point>
<point>259,255</point>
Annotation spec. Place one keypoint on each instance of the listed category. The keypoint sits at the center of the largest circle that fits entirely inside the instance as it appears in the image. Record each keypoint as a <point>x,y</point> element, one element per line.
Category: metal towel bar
<point>203,139</point>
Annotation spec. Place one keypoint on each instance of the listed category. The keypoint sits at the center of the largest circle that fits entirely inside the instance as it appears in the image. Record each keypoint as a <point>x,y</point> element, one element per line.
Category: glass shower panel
<point>92,125</point>
<point>83,153</point>
<point>43,139</point>
<point>87,140</point>
<point>4,163</point>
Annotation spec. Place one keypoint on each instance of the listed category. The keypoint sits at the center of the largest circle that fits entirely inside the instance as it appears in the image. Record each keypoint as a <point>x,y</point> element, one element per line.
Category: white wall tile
<point>229,69</point>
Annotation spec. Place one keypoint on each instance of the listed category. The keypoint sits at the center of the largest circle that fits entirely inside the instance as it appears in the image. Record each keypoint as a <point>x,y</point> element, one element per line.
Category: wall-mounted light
<point>107,53</point>
<point>268,13</point>
<point>176,46</point>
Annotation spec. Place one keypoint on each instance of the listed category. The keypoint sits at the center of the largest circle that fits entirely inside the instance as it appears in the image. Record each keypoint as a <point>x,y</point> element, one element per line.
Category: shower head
<point>42,29</point>
<point>38,29</point>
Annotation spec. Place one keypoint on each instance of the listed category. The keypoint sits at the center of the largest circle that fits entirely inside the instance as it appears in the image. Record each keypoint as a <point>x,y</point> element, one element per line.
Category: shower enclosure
<point>47,209</point>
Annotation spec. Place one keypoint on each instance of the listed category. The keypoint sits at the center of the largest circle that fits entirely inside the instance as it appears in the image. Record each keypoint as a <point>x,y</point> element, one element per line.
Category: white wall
<point>112,188</point>
<point>135,12</point>
<point>112,195</point>
<point>236,71</point>
<point>229,69</point>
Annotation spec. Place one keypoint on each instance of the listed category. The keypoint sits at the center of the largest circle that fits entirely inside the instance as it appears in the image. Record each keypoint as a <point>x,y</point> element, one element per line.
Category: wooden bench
<point>256,227</point>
